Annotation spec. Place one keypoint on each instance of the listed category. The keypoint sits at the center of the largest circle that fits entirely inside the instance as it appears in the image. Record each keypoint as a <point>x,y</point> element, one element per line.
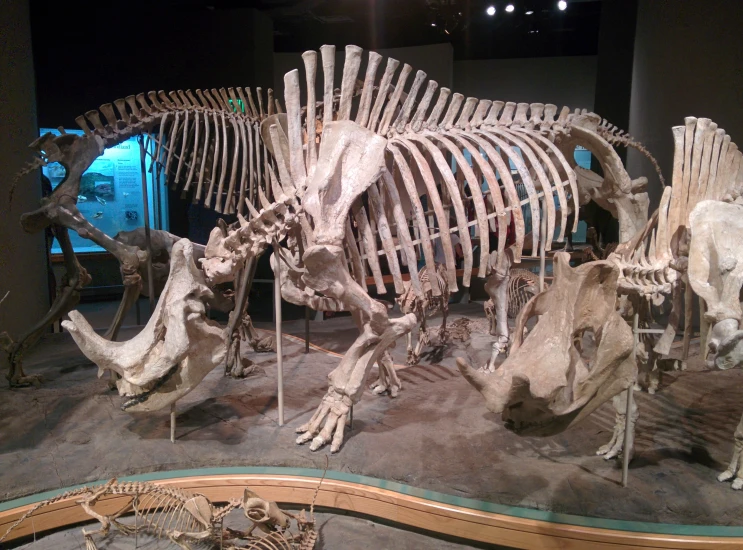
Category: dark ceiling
<point>307,24</point>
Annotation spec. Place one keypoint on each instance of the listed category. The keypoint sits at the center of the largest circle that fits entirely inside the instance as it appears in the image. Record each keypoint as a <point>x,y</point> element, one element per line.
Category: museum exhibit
<point>349,274</point>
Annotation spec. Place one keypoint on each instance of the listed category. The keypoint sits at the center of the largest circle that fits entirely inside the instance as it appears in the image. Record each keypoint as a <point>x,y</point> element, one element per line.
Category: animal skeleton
<point>192,135</point>
<point>386,157</point>
<point>187,518</point>
<point>544,385</point>
<point>383,159</point>
<point>429,306</point>
<point>523,286</point>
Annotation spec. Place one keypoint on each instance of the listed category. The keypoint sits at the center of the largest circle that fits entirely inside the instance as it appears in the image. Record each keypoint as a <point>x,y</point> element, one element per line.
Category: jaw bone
<point>177,348</point>
<point>544,386</point>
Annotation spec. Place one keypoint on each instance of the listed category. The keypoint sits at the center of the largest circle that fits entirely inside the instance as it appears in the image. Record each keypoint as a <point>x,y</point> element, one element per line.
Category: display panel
<point>111,193</point>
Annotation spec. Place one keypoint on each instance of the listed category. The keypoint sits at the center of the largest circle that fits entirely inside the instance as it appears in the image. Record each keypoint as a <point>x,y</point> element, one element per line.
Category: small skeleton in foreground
<point>189,518</point>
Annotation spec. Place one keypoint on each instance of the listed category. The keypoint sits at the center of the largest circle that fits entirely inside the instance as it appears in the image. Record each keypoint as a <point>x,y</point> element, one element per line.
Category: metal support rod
<point>277,315</point>
<point>172,422</point>
<point>148,242</point>
<point>703,329</point>
<point>542,246</point>
<point>688,329</point>
<point>628,426</point>
<point>306,329</point>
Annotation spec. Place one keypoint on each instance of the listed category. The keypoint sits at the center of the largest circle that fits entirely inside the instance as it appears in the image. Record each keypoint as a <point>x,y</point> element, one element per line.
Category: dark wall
<point>614,66</point>
<point>22,256</point>
<point>688,61</point>
<point>85,57</point>
<point>564,81</point>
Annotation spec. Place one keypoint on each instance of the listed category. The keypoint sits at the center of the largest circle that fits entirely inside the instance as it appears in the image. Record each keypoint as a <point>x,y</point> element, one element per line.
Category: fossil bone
<point>223,123</point>
<point>186,518</point>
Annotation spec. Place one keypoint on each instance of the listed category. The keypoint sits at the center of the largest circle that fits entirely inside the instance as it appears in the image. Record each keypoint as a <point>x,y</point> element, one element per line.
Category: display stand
<point>148,242</point>
<point>172,422</point>
<point>277,315</point>
<point>542,251</point>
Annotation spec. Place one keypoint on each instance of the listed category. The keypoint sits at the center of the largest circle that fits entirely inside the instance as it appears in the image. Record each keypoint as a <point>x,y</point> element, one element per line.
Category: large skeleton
<point>545,386</point>
<point>207,144</point>
<point>378,162</point>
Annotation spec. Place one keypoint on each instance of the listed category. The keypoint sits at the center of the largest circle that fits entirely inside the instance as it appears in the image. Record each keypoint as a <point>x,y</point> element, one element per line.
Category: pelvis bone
<point>545,386</point>
<point>174,351</point>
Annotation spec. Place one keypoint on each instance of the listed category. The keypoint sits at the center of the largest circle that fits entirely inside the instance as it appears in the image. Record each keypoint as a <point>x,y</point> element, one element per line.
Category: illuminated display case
<point>111,193</point>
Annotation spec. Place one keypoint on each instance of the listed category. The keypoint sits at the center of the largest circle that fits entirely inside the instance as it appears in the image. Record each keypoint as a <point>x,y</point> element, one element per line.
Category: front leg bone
<point>334,410</point>
<point>614,447</point>
<point>734,466</point>
<point>388,379</point>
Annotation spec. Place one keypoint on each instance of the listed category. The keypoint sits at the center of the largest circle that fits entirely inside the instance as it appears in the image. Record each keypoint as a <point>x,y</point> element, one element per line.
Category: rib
<point>409,182</point>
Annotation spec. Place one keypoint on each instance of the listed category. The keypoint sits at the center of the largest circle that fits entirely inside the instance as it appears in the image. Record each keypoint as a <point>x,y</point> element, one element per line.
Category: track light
<point>562,5</point>
<point>490,11</point>
<point>510,8</point>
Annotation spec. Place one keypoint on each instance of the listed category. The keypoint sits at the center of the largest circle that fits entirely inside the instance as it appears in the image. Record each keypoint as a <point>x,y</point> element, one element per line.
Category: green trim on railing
<point>434,496</point>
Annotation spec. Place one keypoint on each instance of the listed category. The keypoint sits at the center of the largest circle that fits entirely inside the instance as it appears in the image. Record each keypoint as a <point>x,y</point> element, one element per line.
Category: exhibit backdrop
<point>111,192</point>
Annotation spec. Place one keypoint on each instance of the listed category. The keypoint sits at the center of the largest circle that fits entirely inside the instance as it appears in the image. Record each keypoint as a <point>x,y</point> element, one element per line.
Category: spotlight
<point>433,24</point>
<point>530,12</point>
<point>510,8</point>
<point>490,11</point>
<point>562,5</point>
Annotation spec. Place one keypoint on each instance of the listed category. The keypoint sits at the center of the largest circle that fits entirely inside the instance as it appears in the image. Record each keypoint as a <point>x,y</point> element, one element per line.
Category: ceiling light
<point>562,5</point>
<point>490,11</point>
<point>510,8</point>
<point>433,24</point>
<point>530,12</point>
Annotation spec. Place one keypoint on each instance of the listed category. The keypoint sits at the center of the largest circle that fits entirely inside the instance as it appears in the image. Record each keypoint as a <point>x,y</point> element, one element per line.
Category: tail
<point>615,136</point>
<point>30,167</point>
<point>317,491</point>
<point>44,503</point>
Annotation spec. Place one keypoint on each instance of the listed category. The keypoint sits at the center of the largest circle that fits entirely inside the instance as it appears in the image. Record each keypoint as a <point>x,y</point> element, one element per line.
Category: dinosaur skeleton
<point>385,157</point>
<point>544,386</point>
<point>379,162</point>
<point>208,143</point>
<point>188,518</point>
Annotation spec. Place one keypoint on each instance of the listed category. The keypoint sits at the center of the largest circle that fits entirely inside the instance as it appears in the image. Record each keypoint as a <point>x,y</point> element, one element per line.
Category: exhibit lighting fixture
<point>562,5</point>
<point>490,11</point>
<point>510,8</point>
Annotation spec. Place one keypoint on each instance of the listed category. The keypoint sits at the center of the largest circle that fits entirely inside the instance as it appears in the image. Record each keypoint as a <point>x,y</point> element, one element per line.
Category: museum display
<point>545,386</point>
<point>321,187</point>
<point>187,519</point>
<point>426,318</point>
<point>185,133</point>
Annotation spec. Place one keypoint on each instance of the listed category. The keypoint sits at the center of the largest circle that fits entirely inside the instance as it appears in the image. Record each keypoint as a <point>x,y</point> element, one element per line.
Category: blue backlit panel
<point>111,193</point>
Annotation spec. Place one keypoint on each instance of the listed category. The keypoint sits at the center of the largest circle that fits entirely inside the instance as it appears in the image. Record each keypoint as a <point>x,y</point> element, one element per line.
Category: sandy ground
<point>436,435</point>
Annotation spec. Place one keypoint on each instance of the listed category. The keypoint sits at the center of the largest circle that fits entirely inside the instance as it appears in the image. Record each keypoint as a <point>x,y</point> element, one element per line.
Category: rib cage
<point>428,142</point>
<point>706,166</point>
<point>158,509</point>
<point>431,303</point>
<point>208,143</point>
<point>522,286</point>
